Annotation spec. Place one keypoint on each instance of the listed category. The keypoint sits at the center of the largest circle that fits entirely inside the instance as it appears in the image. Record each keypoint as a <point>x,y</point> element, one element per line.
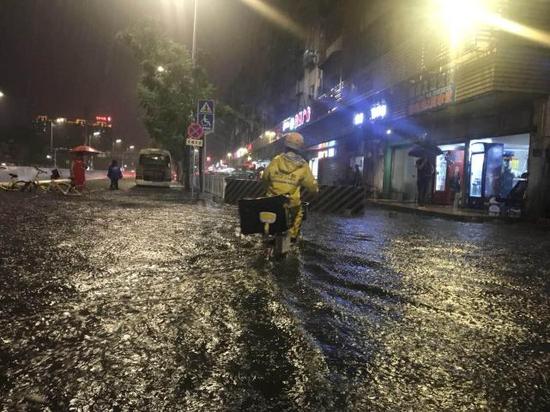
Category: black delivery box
<point>249,213</point>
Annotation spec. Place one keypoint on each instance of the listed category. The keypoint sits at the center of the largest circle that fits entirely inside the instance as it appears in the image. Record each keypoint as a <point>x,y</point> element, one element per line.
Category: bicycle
<point>63,186</point>
<point>34,184</point>
<point>14,185</point>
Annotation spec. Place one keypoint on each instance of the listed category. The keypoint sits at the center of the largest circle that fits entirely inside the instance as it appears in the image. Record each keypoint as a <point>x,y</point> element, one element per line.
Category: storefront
<point>403,174</point>
<point>480,168</point>
<point>497,164</point>
<point>337,162</point>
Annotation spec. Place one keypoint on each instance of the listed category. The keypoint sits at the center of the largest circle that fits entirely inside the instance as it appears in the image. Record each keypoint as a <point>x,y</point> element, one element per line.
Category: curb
<point>443,215</point>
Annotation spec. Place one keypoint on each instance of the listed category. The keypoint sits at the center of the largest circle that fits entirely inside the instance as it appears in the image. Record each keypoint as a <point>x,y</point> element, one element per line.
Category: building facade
<point>397,76</point>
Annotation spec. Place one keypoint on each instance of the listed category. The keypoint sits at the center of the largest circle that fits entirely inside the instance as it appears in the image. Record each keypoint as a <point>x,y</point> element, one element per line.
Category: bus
<point>154,168</point>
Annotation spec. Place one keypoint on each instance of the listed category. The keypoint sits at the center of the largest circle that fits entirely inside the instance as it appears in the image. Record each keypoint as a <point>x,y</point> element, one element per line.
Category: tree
<point>169,85</point>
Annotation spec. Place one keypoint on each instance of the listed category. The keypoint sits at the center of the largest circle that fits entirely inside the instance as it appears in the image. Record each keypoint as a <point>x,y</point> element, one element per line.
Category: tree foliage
<point>168,97</point>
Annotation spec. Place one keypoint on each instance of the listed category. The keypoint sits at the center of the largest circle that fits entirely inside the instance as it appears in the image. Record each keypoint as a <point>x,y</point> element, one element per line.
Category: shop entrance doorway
<point>449,174</point>
<point>496,166</point>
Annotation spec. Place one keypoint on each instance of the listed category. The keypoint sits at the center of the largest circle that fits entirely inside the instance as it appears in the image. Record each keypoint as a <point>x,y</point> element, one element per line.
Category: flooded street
<point>143,300</point>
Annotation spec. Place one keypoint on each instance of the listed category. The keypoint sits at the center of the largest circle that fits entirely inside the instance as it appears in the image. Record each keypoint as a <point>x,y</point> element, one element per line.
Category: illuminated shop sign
<point>298,120</point>
<point>379,111</point>
<point>326,145</point>
<point>103,119</point>
<point>324,154</point>
<point>358,119</point>
<point>430,91</point>
<point>433,99</point>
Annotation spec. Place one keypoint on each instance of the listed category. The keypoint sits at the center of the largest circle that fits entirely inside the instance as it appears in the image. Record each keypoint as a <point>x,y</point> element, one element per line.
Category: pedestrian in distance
<point>114,174</point>
<point>424,173</point>
<point>78,172</point>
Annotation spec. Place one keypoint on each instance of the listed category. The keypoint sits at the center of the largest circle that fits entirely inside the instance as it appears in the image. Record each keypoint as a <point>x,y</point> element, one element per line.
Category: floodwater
<point>143,300</point>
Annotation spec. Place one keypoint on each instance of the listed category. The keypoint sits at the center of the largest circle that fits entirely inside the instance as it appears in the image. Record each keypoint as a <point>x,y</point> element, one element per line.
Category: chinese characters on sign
<point>433,99</point>
<point>378,111</point>
<point>299,119</point>
<point>430,91</point>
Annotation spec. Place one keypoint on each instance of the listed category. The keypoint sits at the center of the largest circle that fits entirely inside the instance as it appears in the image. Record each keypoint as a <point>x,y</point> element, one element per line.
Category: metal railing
<point>215,185</point>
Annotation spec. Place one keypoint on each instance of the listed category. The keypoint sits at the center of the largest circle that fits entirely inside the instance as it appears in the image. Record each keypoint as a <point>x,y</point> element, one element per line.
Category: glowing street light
<point>161,69</point>
<point>462,19</point>
<point>229,155</point>
<point>60,120</point>
<point>118,141</point>
<point>96,134</point>
<point>132,147</point>
<point>1,94</point>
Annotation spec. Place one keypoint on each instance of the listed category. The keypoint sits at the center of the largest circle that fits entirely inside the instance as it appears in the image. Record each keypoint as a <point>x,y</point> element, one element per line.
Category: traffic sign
<point>194,142</point>
<point>206,106</point>
<point>195,131</point>
<point>206,114</point>
<point>207,122</point>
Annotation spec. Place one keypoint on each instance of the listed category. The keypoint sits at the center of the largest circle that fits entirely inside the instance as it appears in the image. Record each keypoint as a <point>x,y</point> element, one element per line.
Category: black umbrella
<point>425,149</point>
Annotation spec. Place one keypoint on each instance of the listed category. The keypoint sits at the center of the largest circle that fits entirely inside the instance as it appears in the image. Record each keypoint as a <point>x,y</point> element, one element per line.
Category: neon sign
<point>104,119</point>
<point>359,119</point>
<point>378,111</point>
<point>298,120</point>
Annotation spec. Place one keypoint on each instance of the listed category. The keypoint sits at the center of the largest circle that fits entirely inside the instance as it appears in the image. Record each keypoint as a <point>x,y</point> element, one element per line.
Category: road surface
<point>144,300</point>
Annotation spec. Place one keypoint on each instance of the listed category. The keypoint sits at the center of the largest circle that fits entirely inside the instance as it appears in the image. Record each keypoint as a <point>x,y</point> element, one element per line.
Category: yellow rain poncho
<point>286,175</point>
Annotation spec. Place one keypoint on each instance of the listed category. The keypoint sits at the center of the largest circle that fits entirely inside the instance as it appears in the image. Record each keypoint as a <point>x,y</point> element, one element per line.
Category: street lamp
<point>132,147</point>
<point>1,94</point>
<point>161,69</point>
<point>59,121</point>
<point>117,141</point>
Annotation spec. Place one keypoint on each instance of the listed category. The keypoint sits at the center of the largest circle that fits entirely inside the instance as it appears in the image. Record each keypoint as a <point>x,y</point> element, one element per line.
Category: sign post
<point>206,116</point>
<point>194,139</point>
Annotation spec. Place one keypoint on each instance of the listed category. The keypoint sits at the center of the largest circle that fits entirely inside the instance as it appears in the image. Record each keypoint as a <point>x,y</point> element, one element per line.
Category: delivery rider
<point>287,174</point>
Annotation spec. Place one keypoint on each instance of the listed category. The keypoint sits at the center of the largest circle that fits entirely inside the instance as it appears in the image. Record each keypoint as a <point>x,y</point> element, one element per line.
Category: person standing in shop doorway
<point>115,174</point>
<point>424,173</point>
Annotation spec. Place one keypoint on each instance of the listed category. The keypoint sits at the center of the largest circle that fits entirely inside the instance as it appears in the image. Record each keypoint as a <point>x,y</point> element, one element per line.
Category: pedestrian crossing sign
<point>206,114</point>
<point>206,106</point>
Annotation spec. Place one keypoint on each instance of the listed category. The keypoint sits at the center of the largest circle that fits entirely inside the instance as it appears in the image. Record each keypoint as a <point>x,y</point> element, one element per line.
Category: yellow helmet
<point>294,141</point>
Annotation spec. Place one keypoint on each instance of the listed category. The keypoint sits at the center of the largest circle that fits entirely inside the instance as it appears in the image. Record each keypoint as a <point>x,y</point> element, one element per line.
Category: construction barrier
<point>331,199</point>
<point>237,189</point>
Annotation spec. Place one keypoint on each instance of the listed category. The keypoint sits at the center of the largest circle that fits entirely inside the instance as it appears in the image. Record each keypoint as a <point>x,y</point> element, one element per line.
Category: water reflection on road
<point>141,300</point>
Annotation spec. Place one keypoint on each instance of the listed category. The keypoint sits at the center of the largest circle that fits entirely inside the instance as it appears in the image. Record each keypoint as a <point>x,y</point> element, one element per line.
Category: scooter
<point>269,216</point>
<point>279,243</point>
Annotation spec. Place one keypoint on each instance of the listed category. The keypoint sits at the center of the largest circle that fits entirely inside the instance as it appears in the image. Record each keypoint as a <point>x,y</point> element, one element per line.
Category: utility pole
<point>191,159</point>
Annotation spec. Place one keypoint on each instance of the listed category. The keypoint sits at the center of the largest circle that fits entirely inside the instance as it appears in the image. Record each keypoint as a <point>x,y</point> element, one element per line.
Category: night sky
<point>61,57</point>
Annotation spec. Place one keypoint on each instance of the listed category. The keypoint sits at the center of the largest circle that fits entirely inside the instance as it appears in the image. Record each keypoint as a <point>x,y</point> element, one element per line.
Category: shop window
<point>497,164</point>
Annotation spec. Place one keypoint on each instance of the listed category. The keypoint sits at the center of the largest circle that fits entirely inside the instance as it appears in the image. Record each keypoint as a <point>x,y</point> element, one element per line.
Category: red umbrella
<point>83,149</point>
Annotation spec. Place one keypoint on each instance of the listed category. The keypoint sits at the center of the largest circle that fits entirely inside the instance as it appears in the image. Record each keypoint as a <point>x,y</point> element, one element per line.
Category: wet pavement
<point>143,300</point>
